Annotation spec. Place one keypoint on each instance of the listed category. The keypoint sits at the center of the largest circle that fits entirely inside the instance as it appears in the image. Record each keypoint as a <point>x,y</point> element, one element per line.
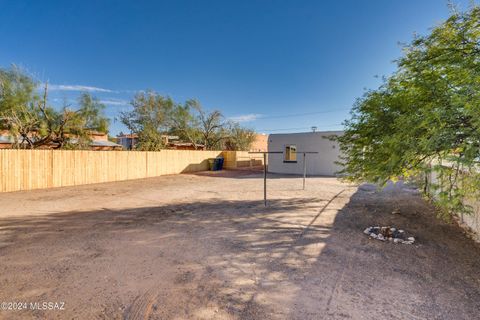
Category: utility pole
<point>304,169</point>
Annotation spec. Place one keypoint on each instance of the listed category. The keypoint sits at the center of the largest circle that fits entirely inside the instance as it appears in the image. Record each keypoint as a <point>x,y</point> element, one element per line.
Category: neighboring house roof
<point>103,143</point>
<point>100,143</point>
<point>93,143</point>
<point>135,136</point>
<point>299,134</point>
<point>186,144</point>
<point>129,136</point>
<point>6,140</point>
<point>96,133</point>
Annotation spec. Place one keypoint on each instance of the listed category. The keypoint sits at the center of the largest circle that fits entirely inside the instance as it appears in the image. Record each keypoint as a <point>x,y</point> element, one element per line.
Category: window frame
<point>289,146</point>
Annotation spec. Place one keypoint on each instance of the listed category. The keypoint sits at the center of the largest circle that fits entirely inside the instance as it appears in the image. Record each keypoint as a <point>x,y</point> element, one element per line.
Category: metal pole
<point>304,169</point>
<point>265,179</point>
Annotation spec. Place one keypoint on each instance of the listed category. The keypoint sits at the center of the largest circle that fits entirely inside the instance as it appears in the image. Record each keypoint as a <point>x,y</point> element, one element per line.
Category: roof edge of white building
<point>309,133</point>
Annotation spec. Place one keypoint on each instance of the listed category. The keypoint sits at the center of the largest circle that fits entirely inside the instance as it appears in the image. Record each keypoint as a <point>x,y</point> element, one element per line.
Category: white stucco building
<point>292,145</point>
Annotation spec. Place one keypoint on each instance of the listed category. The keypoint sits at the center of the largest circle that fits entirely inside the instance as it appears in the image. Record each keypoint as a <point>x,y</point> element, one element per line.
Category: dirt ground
<point>204,247</point>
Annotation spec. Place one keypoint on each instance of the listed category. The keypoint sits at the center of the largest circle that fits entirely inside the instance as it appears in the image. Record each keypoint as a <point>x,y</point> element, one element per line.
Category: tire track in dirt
<point>142,306</point>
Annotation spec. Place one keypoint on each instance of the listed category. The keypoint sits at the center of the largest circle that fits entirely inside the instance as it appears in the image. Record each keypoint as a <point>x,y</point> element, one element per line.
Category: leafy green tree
<point>184,124</point>
<point>193,124</point>
<point>150,119</point>
<point>238,137</point>
<point>17,90</point>
<point>154,116</point>
<point>88,118</point>
<point>91,113</point>
<point>425,117</point>
<point>211,126</point>
<point>35,124</point>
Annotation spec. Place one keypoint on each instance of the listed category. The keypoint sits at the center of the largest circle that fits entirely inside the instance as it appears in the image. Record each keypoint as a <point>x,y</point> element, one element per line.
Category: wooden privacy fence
<point>36,169</point>
<point>242,160</point>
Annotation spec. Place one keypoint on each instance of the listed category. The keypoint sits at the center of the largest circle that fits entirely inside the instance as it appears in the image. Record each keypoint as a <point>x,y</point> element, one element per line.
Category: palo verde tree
<point>425,117</point>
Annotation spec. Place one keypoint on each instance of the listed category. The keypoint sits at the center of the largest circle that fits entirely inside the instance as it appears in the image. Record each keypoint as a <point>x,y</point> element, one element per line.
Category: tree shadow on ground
<point>358,277</point>
<point>301,258</point>
<point>223,247</point>
<point>253,174</point>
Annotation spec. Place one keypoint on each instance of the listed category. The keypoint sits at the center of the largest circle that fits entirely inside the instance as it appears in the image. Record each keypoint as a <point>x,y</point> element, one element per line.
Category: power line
<point>299,128</point>
<point>301,114</point>
<point>285,129</point>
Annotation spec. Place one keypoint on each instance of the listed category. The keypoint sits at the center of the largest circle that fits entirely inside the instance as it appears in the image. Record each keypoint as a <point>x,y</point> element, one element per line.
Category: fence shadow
<point>298,258</point>
<point>220,252</point>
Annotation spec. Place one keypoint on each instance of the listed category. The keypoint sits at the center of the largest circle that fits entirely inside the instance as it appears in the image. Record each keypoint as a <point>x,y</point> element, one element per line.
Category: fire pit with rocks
<point>389,234</point>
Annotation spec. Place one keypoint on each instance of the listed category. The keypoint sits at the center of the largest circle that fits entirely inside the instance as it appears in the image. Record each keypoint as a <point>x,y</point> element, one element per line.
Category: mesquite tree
<point>425,117</point>
<point>33,123</point>
<point>238,137</point>
<point>154,115</point>
<point>149,119</point>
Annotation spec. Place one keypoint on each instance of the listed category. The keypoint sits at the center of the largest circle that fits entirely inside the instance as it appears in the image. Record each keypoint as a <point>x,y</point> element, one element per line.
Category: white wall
<point>322,163</point>
<point>468,221</point>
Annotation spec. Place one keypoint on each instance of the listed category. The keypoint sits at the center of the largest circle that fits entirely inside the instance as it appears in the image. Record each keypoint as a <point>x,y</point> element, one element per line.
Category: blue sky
<point>277,66</point>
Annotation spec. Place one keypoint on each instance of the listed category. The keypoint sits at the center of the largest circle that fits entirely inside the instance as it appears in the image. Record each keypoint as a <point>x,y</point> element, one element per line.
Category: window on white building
<point>290,154</point>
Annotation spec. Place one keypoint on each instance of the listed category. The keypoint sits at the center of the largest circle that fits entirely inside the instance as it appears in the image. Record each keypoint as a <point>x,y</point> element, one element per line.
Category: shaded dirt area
<point>204,247</point>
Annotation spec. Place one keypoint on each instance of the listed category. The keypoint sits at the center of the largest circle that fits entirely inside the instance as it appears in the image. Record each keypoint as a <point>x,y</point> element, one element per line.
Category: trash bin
<point>218,164</point>
<point>211,164</point>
